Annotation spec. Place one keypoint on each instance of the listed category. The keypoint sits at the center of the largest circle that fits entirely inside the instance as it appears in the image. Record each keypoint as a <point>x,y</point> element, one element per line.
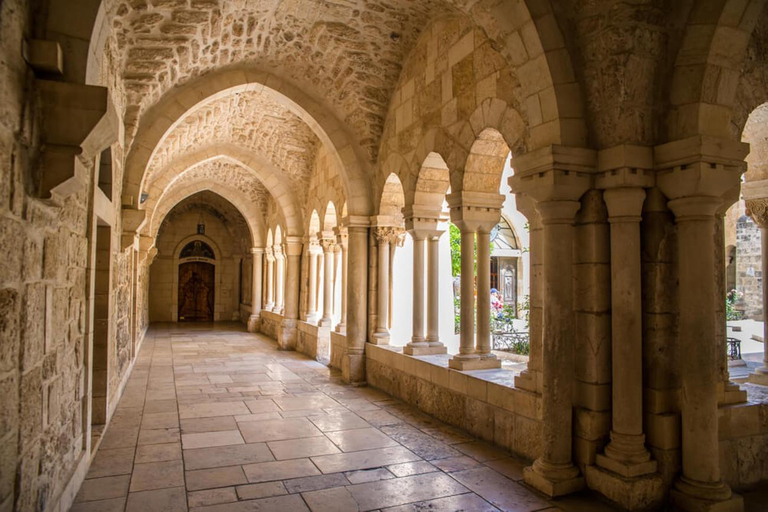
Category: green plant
<point>525,310</point>
<point>731,298</point>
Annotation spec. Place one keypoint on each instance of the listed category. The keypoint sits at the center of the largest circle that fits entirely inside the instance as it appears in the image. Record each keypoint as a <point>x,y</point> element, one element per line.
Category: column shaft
<point>382,312</point>
<point>433,296</point>
<point>328,247</point>
<point>342,325</point>
<point>484,293</point>
<point>311,291</point>
<point>467,328</point>
<point>764,268</point>
<point>270,283</point>
<point>418,291</point>
<point>353,361</point>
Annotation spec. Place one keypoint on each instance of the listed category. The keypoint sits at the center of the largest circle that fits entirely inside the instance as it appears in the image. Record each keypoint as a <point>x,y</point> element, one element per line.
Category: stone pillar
<point>433,297</point>
<point>474,212</point>
<point>555,177</point>
<point>758,210</point>
<point>627,463</point>
<point>256,279</point>
<point>270,305</point>
<point>279,280</point>
<point>484,292</point>
<point>342,239</point>
<point>328,244</point>
<point>312,288</point>
<point>353,361</point>
<point>384,237</point>
<point>286,339</point>
<point>336,274</point>
<point>417,338</point>
<point>693,174</point>
<point>530,378</point>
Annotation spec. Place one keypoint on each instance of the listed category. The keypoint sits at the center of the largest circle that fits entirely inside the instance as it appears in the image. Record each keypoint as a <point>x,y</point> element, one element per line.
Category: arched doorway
<point>197,282</point>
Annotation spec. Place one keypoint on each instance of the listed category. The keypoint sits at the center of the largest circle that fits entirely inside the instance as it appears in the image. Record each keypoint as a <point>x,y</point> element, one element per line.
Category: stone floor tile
<point>469,502</point>
<point>261,406</point>
<point>112,505</point>
<point>209,409</point>
<point>499,490</point>
<point>409,489</point>
<point>418,442</point>
<point>118,461</point>
<point>119,438</point>
<point>300,448</point>
<point>481,451</point>
<point>158,452</point>
<point>219,379</point>
<point>287,503</point>
<point>159,436</point>
<point>258,417</point>
<point>227,456</point>
<point>161,500</point>
<point>280,470</point>
<point>344,421</point>
<point>455,463</point>
<point>316,401</point>
<point>411,468</point>
<point>379,418</point>
<point>368,475</point>
<point>278,430</point>
<point>264,490</point>
<point>155,406</point>
<point>214,424</point>
<point>336,499</point>
<point>160,420</point>
<point>104,488</point>
<point>157,475</point>
<point>216,477</point>
<point>211,497</point>
<point>509,467</point>
<point>360,439</point>
<point>315,483</point>
<point>363,459</point>
<point>209,439</point>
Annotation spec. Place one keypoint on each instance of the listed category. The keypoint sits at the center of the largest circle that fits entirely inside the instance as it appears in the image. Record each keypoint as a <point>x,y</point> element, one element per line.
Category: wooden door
<point>196,291</point>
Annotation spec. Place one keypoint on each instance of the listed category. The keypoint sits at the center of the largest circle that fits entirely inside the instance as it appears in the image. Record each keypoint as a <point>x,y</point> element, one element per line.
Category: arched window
<point>503,237</point>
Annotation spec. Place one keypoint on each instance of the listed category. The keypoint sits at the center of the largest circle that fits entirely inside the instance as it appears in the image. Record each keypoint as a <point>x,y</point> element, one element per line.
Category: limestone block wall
<point>178,231</point>
<point>270,324</point>
<point>749,275</point>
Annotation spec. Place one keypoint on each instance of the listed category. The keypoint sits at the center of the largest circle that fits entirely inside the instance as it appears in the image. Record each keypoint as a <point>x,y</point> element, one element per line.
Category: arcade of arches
<point>176,171</point>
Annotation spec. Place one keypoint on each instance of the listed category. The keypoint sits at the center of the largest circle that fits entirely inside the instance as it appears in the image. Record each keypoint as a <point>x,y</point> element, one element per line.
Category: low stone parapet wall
<point>482,402</point>
<point>314,341</point>
<point>338,341</point>
<point>270,324</point>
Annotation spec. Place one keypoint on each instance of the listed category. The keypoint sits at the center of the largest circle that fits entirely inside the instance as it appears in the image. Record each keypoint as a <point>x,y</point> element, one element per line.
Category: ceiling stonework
<point>247,119</point>
<point>348,52</point>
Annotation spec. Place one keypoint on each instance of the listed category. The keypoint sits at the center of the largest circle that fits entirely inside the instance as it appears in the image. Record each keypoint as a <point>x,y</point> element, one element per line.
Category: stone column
<point>625,454</point>
<point>555,177</point>
<point>336,272</point>
<point>256,279</point>
<point>279,280</point>
<point>693,174</point>
<point>342,240</point>
<point>270,305</point>
<point>311,290</point>
<point>758,210</point>
<point>484,292</point>
<point>474,212</point>
<point>417,338</point>
<point>286,339</point>
<point>384,238</point>
<point>328,244</point>
<point>433,296</point>
<point>353,361</point>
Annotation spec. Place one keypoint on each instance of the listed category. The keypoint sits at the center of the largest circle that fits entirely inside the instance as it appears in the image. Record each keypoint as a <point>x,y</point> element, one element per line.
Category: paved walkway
<point>215,419</point>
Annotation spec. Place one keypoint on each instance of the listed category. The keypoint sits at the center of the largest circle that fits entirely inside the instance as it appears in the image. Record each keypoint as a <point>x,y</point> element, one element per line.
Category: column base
<point>341,328</point>
<point>625,469</point>
<point>553,486</point>
<point>380,338</point>
<point>687,502</point>
<point>424,350</point>
<point>464,363</point>
<point>732,394</point>
<point>631,493</point>
<point>254,323</point>
<point>759,376</point>
<point>526,380</point>
<point>353,369</point>
<point>325,322</point>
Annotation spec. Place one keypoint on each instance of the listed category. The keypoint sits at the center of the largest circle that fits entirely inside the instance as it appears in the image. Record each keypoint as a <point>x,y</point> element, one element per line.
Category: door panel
<point>196,292</point>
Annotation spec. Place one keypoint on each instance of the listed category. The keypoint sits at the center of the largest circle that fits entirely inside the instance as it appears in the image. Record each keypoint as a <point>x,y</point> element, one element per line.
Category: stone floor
<point>215,419</point>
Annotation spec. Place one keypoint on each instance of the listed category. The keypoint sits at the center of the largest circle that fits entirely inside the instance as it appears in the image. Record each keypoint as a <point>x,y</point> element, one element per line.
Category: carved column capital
<point>757,209</point>
<point>387,234</point>
<point>328,244</point>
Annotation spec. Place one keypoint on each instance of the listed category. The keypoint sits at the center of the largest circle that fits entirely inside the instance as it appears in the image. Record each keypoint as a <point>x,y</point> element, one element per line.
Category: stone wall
<point>749,274</point>
<point>176,232</point>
